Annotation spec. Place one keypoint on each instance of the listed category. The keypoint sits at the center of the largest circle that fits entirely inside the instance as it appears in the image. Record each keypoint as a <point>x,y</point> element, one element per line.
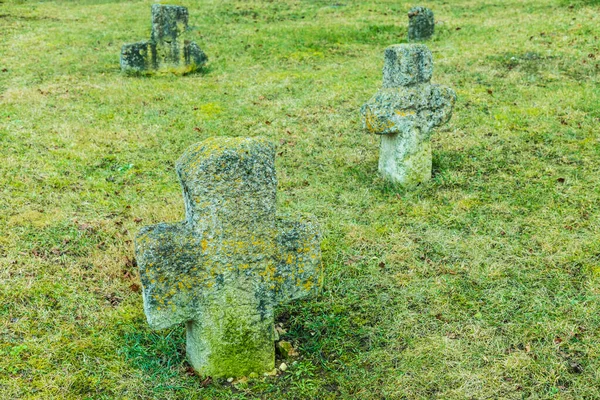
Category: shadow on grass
<point>158,355</point>
<point>203,71</point>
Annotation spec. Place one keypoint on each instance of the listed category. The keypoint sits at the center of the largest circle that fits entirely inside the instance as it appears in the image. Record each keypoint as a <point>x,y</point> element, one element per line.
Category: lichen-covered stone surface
<point>406,110</point>
<point>421,24</point>
<point>170,48</point>
<point>406,65</point>
<point>137,56</point>
<point>231,261</point>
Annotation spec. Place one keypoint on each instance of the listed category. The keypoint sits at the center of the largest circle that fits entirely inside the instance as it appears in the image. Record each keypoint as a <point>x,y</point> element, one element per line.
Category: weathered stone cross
<point>405,111</point>
<point>169,48</point>
<point>224,268</point>
<point>421,24</point>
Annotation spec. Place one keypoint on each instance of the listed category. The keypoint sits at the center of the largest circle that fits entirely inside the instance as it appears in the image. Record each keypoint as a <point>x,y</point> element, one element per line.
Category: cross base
<point>405,159</point>
<point>234,336</point>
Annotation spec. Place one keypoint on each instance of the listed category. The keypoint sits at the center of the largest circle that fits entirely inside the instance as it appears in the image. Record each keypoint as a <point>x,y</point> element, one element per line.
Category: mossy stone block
<point>406,65</point>
<point>137,57</point>
<point>231,261</point>
<point>421,24</point>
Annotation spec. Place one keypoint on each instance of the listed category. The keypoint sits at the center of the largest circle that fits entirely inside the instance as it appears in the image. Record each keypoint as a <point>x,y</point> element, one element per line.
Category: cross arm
<point>170,260</point>
<point>299,267</point>
<point>403,109</point>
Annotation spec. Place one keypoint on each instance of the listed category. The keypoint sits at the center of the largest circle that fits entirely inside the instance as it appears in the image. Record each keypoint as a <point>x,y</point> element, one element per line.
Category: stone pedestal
<point>406,161</point>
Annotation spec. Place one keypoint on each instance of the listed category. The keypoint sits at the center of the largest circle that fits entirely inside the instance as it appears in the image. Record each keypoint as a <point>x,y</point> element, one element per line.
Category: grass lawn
<point>483,283</point>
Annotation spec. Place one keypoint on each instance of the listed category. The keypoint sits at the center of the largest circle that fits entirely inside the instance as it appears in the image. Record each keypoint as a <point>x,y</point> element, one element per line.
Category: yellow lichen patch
<point>405,113</point>
<point>375,124</point>
<point>269,272</point>
<point>308,284</point>
<point>204,244</point>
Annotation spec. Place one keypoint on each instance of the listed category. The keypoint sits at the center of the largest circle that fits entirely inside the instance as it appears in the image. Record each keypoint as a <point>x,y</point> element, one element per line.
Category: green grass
<point>482,284</point>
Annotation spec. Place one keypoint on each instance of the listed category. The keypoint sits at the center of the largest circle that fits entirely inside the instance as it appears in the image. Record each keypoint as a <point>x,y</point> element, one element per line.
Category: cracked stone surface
<point>231,261</point>
<point>170,48</point>
<point>421,24</point>
<point>405,111</point>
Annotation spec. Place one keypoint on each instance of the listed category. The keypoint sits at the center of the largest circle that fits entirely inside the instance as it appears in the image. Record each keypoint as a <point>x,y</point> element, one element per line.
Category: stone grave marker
<point>421,24</point>
<point>169,48</point>
<point>231,261</point>
<point>405,111</point>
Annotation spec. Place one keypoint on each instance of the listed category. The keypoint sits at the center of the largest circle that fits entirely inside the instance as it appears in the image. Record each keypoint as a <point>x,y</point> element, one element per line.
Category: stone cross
<point>405,111</point>
<point>420,24</point>
<point>224,268</point>
<point>169,48</point>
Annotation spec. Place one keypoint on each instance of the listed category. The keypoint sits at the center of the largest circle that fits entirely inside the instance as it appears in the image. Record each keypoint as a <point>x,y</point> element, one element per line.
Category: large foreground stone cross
<point>169,48</point>
<point>405,111</point>
<point>224,268</point>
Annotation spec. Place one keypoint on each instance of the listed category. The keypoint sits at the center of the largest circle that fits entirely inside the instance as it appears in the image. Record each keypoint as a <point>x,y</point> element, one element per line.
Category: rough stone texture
<point>137,56</point>
<point>421,24</point>
<point>406,65</point>
<point>169,48</point>
<point>406,110</point>
<point>224,268</point>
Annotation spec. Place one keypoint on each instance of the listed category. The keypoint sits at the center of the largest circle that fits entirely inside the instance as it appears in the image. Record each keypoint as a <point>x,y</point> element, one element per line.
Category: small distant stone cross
<point>405,111</point>
<point>224,268</point>
<point>421,24</point>
<point>169,48</point>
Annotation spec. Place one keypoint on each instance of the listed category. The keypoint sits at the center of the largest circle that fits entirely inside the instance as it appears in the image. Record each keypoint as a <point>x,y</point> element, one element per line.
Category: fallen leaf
<point>113,299</point>
<point>558,340</point>
<point>84,227</point>
<point>130,262</point>
<point>575,367</point>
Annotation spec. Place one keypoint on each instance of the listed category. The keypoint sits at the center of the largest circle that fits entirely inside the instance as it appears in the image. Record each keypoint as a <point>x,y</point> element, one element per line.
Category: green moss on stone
<point>170,49</point>
<point>231,261</point>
